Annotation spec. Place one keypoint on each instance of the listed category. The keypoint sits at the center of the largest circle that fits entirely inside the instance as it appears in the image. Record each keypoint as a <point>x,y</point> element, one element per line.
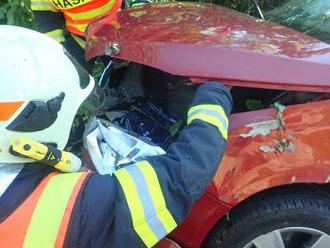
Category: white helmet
<point>41,90</point>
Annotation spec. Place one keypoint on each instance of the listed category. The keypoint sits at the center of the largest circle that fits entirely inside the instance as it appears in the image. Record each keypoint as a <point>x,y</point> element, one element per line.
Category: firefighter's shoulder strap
<point>43,218</point>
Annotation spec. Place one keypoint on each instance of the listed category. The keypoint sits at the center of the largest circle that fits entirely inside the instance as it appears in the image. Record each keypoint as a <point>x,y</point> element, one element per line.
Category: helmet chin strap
<point>8,173</point>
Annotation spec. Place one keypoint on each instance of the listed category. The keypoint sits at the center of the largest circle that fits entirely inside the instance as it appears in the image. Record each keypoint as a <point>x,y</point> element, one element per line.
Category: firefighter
<point>135,207</point>
<point>66,20</point>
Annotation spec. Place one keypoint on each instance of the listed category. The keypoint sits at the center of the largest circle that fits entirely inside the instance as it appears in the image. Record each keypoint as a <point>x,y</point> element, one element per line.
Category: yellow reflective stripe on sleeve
<point>151,219</point>
<point>157,195</point>
<point>211,120</point>
<point>92,13</point>
<point>135,207</point>
<point>47,216</point>
<point>214,107</point>
<point>57,35</point>
<point>80,27</point>
<point>42,5</point>
<point>212,114</point>
<point>79,40</point>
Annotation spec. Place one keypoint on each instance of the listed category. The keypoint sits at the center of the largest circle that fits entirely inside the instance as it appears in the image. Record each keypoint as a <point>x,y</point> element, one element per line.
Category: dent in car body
<point>247,170</point>
<point>206,41</point>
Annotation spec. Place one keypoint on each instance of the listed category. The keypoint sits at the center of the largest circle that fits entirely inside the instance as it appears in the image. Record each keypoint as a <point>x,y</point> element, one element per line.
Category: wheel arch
<point>322,189</point>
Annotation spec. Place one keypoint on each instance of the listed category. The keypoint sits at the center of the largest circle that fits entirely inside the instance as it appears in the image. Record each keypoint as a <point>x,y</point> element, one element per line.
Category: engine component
<point>148,120</point>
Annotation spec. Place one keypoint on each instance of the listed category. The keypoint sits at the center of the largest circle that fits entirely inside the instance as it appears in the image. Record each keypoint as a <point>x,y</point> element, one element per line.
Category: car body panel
<point>255,161</point>
<point>263,154</point>
<point>208,41</point>
<point>192,231</point>
<point>266,148</point>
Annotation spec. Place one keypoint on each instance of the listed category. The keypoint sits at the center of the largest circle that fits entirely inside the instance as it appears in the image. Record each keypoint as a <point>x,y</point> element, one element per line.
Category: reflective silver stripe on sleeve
<point>148,205</point>
<point>210,113</point>
<point>150,216</point>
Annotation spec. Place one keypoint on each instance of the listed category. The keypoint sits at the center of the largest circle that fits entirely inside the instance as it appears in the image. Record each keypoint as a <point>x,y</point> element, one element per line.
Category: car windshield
<point>311,17</point>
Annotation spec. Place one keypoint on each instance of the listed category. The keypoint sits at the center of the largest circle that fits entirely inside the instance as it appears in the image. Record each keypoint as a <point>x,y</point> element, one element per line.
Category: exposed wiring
<point>105,74</point>
<point>259,10</point>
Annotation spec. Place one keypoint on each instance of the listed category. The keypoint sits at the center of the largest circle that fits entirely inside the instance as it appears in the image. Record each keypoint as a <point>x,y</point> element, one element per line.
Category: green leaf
<point>174,129</point>
<point>11,16</point>
<point>252,104</point>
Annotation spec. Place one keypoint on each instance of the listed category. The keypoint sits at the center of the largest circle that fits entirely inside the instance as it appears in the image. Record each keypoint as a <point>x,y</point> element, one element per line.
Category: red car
<point>271,189</point>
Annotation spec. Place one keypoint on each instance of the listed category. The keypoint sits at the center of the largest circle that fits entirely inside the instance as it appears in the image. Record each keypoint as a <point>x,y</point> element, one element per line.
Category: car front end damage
<point>278,140</point>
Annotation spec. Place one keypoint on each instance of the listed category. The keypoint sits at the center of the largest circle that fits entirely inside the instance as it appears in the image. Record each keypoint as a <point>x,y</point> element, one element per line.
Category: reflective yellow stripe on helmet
<point>150,217</point>
<point>42,5</point>
<point>57,35</point>
<point>92,13</point>
<point>212,114</point>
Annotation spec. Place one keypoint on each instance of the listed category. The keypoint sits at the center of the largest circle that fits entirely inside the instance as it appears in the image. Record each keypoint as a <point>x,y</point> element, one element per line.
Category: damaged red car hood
<point>208,41</point>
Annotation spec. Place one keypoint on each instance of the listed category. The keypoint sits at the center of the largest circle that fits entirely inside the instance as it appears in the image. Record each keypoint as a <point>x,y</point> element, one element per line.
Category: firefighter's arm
<point>145,201</point>
<point>48,19</point>
<point>160,191</point>
<point>192,161</point>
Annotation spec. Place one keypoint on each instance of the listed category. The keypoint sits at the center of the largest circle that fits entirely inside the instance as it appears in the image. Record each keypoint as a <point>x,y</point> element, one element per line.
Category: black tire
<point>276,209</point>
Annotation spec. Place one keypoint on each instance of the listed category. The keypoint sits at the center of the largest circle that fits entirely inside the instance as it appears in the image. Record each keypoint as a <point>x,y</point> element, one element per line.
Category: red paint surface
<point>167,243</point>
<point>247,170</point>
<point>204,40</point>
<point>203,216</point>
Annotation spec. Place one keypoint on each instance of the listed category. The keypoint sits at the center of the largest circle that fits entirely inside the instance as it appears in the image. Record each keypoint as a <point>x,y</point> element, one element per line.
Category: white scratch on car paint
<point>209,31</point>
<point>328,179</point>
<point>262,128</point>
<point>236,196</point>
<point>267,149</point>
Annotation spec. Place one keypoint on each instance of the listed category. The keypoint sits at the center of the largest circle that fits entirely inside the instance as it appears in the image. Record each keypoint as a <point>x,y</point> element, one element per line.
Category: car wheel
<point>294,217</point>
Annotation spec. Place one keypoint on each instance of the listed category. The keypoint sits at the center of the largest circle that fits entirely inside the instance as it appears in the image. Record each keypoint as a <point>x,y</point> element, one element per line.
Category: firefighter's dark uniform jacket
<point>144,201</point>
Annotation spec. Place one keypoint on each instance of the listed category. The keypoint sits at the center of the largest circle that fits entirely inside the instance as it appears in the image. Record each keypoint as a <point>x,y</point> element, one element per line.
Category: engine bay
<point>150,103</point>
<point>149,106</point>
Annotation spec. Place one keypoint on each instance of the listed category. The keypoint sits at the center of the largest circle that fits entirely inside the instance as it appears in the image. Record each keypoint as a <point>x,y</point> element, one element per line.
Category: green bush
<point>16,12</point>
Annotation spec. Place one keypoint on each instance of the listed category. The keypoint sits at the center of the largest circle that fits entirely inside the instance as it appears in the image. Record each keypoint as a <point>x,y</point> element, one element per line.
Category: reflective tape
<point>91,13</point>
<point>150,217</point>
<point>157,195</point>
<point>48,214</point>
<point>212,114</point>
<point>147,203</point>
<point>80,27</point>
<point>42,5</point>
<point>57,35</point>
<point>80,41</point>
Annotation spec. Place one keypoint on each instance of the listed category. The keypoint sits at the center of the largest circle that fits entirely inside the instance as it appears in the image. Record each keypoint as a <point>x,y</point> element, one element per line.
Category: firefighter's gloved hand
<point>213,93</point>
